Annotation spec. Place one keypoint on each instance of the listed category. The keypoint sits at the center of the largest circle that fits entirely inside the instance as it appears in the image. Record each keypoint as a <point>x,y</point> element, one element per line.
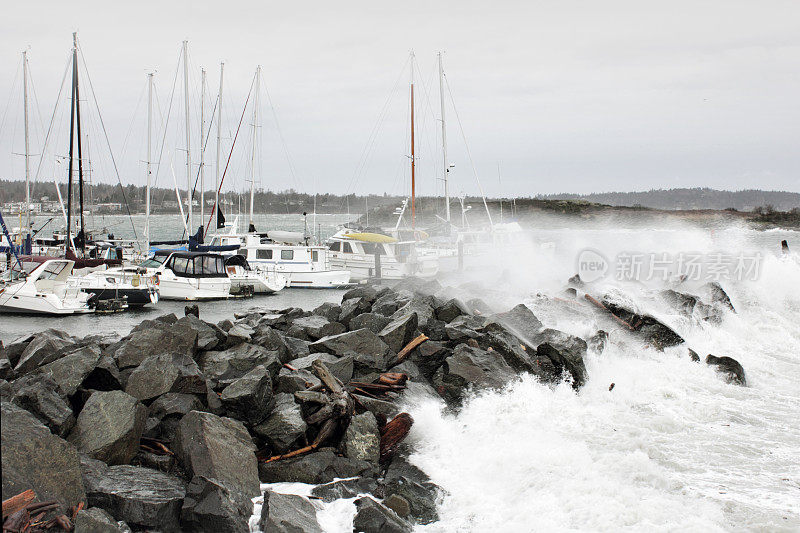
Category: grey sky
<point>566,96</point>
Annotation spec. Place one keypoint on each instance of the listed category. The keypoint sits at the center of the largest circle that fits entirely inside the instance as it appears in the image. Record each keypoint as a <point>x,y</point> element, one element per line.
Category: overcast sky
<point>561,96</point>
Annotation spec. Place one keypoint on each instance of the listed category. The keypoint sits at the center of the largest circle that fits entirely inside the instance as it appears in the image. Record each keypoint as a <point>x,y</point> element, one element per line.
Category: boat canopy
<point>195,264</point>
<point>370,237</point>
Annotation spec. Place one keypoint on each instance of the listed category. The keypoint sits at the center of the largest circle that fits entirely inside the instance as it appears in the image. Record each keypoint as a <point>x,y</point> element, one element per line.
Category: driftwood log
<point>392,434</point>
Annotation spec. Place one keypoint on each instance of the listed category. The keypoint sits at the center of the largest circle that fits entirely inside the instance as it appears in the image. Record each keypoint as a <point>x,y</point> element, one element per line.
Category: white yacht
<point>262,281</point>
<point>137,290</point>
<point>370,255</point>
<point>45,290</point>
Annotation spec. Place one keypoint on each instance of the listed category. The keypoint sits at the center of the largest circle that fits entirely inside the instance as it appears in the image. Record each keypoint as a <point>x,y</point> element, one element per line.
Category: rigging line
<point>233,144</point>
<point>165,124</point>
<point>130,127</point>
<point>283,141</point>
<point>469,154</point>
<point>108,142</point>
<point>197,176</point>
<point>36,100</point>
<point>10,97</point>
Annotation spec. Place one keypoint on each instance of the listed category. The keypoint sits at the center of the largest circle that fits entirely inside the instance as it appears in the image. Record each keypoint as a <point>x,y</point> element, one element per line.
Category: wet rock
<point>329,310</point>
<point>33,458</point>
<point>341,367</point>
<point>288,513</point>
<point>566,352</point>
<point>464,327</point>
<point>362,439</point>
<point>429,356</point>
<point>160,374</point>
<point>345,488</point>
<point>450,310</point>
<point>72,369</point>
<point>421,305</point>
<point>238,334</point>
<point>286,347</point>
<point>153,337</point>
<point>718,295</point>
<point>597,342</point>
<point>249,398</point>
<point>104,376</point>
<point>362,342</point>
<point>220,448</point>
<point>38,394</point>
<point>390,302</point>
<point>208,336</point>
<point>435,329</point>
<point>223,368</point>
<point>379,408</point>
<point>684,303</point>
<point>192,310</point>
<point>44,348</point>
<point>13,351</point>
<point>5,368</point>
<point>317,326</point>
<point>656,333</point>
<point>733,371</point>
<point>167,411</point>
<point>478,307</point>
<point>518,353</point>
<point>290,381</point>
<point>374,517</point>
<point>168,318</point>
<point>322,466</point>
<point>693,356</point>
<point>109,427</point>
<point>398,504</point>
<point>210,507</point>
<point>364,291</point>
<point>399,332</point>
<point>6,391</point>
<point>284,426</point>
<point>520,321</point>
<point>470,367</point>
<point>352,308</point>
<point>372,321</point>
<point>96,520</point>
<point>143,498</point>
<point>162,463</point>
<point>420,496</point>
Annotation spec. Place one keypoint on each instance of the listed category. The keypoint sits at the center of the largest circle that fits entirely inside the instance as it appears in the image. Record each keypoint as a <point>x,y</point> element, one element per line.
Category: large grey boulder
<point>429,356</point>
<point>566,352</point>
<point>73,368</point>
<point>223,368</point>
<point>374,517</point>
<point>109,427</point>
<point>521,321</point>
<point>517,352</point>
<point>249,398</point>
<point>45,347</point>
<point>165,413</point>
<point>38,394</point>
<point>96,520</point>
<point>464,327</point>
<point>210,507</point>
<point>33,458</point>
<point>470,367</point>
<point>317,326</point>
<point>13,350</point>
<point>218,448</point>
<point>208,336</point>
<point>284,426</point>
<point>345,488</point>
<point>288,513</point>
<point>729,367</point>
<point>160,374</point>
<point>322,466</point>
<point>390,302</point>
<point>341,367</point>
<point>369,352</point>
<point>104,376</point>
<point>352,308</point>
<point>399,332</point>
<point>154,337</point>
<point>451,309</point>
<point>141,497</point>
<point>372,321</point>
<point>329,310</point>
<point>414,487</point>
<point>362,439</point>
<point>421,305</point>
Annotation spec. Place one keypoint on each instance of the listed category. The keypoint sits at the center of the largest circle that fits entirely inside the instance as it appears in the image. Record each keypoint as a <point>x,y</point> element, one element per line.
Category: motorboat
<point>45,290</point>
<point>242,275</point>
<point>375,255</point>
<point>136,290</point>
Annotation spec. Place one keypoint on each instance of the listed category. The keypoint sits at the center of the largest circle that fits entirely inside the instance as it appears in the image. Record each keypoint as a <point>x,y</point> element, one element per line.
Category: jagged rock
<point>210,507</point>
<point>364,291</point>
<point>362,439</point>
<point>419,496</point>
<point>651,329</point>
<point>344,488</point>
<point>421,305</point>
<point>322,466</point>
<point>411,370</point>
<point>33,458</point>
<point>160,374</point>
<point>520,321</point>
<point>109,427</point>
<point>6,391</point>
<point>464,327</point>
<point>470,367</point>
<point>290,381</point>
<point>142,497</point>
<point>352,308</point>
<point>479,307</point>
<point>398,504</point>
<point>379,407</point>
<point>329,310</point>
<point>288,513</point>
<point>219,448</point>
<point>450,310</point>
<point>372,321</point>
<point>168,318</point>
<point>5,368</point>
<point>153,337</point>
<point>718,295</point>
<point>13,351</point>
<point>208,336</point>
<point>38,394</point>
<point>96,520</point>
<point>390,302</point>
<point>317,326</point>
<point>284,425</point>
<point>285,346</point>
<point>428,357</point>
<point>597,342</point>
<point>167,411</point>
<point>368,350</point>
<point>72,369</point>
<point>566,352</point>
<point>733,371</point>
<point>399,332</point>
<point>104,376</point>
<point>162,463</point>
<point>518,353</point>
<point>684,303</point>
<point>693,356</point>
<point>374,517</point>
<point>249,397</point>
<point>44,348</point>
<point>223,368</point>
<point>341,367</point>
<point>238,334</point>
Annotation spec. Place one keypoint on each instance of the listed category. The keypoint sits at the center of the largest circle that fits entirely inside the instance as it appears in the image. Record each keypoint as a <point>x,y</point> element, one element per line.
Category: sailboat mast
<point>68,243</point>
<point>445,165</point>
<point>219,144</point>
<point>413,177</point>
<point>149,159</point>
<point>188,131</point>
<point>253,153</point>
<point>202,146</point>
<point>27,145</point>
<point>78,133</point>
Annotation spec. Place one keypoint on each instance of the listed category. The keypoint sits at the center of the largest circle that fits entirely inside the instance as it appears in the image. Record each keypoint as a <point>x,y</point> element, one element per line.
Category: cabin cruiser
<point>261,281</point>
<point>369,255</point>
<point>284,253</point>
<point>45,290</point>
<point>136,290</point>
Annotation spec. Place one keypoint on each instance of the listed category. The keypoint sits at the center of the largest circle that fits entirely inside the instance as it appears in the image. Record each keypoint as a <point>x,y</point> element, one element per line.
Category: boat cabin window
<point>264,254</point>
<point>287,255</point>
<point>52,270</point>
<point>198,266</point>
<point>335,246</point>
<point>314,256</point>
<point>150,263</point>
<point>179,265</point>
<point>242,252</point>
<point>371,248</point>
<point>347,248</point>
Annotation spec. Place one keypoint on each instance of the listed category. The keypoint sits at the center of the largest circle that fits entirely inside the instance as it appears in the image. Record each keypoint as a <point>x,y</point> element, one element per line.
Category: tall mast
<point>413,177</point>
<point>219,144</point>
<point>149,159</point>
<point>253,153</point>
<point>78,133</point>
<point>202,144</point>
<point>27,145</point>
<point>188,131</point>
<point>445,165</point>
<point>68,241</point>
